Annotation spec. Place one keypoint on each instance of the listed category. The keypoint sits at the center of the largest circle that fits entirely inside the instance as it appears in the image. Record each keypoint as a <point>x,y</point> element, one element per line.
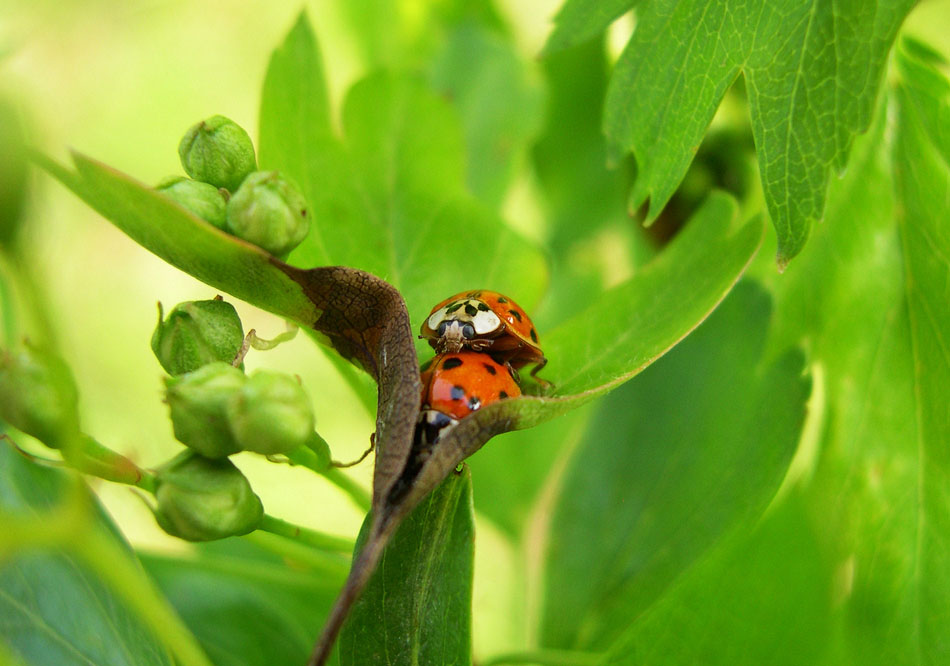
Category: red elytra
<point>456,384</point>
<point>485,321</point>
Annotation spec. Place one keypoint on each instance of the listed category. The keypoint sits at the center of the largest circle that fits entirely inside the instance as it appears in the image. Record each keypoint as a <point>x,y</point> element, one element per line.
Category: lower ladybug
<point>456,384</point>
<point>484,321</point>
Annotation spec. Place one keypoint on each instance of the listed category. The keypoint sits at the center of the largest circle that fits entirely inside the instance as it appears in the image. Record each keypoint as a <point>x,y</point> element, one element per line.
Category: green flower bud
<point>204,200</point>
<point>217,151</point>
<point>270,414</point>
<point>201,499</point>
<point>197,333</point>
<point>269,212</point>
<point>38,396</point>
<point>198,404</point>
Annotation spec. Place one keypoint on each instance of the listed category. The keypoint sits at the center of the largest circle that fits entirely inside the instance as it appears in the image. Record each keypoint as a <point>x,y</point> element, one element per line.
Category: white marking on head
<point>436,317</point>
<point>485,321</point>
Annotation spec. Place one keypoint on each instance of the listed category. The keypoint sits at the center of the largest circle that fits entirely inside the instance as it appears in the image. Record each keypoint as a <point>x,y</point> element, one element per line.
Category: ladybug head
<point>452,335</point>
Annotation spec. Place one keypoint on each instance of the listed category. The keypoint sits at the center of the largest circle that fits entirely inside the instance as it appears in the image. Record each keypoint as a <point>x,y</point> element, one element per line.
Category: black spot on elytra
<point>470,310</point>
<point>502,299</point>
<point>515,314</point>
<point>483,307</point>
<point>534,336</point>
<point>490,368</point>
<point>452,362</point>
<point>502,395</point>
<point>457,393</point>
<point>474,402</point>
<point>455,306</point>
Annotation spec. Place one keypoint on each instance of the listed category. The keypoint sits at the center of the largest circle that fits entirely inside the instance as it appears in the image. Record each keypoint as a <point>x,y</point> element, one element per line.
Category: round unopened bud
<point>204,200</point>
<point>198,404</point>
<point>38,396</point>
<point>202,500</point>
<point>269,212</point>
<point>270,414</point>
<point>217,151</point>
<point>196,333</point>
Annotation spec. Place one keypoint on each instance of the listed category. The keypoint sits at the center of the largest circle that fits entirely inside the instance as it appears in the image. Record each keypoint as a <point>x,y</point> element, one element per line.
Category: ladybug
<point>484,321</point>
<point>456,384</point>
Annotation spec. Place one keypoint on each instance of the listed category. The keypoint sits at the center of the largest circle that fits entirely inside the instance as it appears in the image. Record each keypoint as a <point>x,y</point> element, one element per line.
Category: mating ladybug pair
<point>481,339</point>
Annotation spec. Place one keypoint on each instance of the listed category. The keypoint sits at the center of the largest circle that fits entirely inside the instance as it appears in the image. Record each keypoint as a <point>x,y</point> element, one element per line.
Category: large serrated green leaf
<point>417,607</point>
<point>675,461</point>
<point>812,72</point>
<point>53,608</point>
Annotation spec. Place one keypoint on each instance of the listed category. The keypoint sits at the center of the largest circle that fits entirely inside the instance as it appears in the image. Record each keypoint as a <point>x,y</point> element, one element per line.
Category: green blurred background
<point>121,82</point>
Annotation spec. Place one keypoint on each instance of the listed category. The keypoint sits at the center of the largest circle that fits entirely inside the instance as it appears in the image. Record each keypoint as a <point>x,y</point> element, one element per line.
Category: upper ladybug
<point>486,321</point>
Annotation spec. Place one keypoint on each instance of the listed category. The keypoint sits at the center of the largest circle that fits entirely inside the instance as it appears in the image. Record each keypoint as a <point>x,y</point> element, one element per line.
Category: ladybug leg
<point>541,380</point>
<point>480,344</point>
<point>372,445</point>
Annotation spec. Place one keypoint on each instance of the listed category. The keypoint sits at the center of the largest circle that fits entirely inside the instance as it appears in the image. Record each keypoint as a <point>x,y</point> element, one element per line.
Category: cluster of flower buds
<point>216,410</point>
<point>226,190</point>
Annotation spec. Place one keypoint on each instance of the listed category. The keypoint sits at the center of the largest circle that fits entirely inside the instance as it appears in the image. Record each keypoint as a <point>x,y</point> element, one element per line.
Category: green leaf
<point>513,470</point>
<point>628,327</point>
<point>389,196</point>
<point>245,609</point>
<point>416,608</point>
<point>631,325</point>
<point>812,71</point>
<point>480,71</point>
<point>53,609</point>
<point>163,227</point>
<point>309,154</point>
<point>674,462</point>
<point>13,173</point>
<point>377,28</point>
<point>588,226</point>
<point>923,186</point>
<point>581,20</point>
<point>865,297</point>
<point>762,598</point>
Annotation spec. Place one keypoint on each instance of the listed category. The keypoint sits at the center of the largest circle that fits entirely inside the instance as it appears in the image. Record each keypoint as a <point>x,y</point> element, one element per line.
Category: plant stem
<point>332,565</point>
<point>356,492</point>
<point>91,457</point>
<point>312,538</point>
<point>305,457</point>
<point>547,658</point>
